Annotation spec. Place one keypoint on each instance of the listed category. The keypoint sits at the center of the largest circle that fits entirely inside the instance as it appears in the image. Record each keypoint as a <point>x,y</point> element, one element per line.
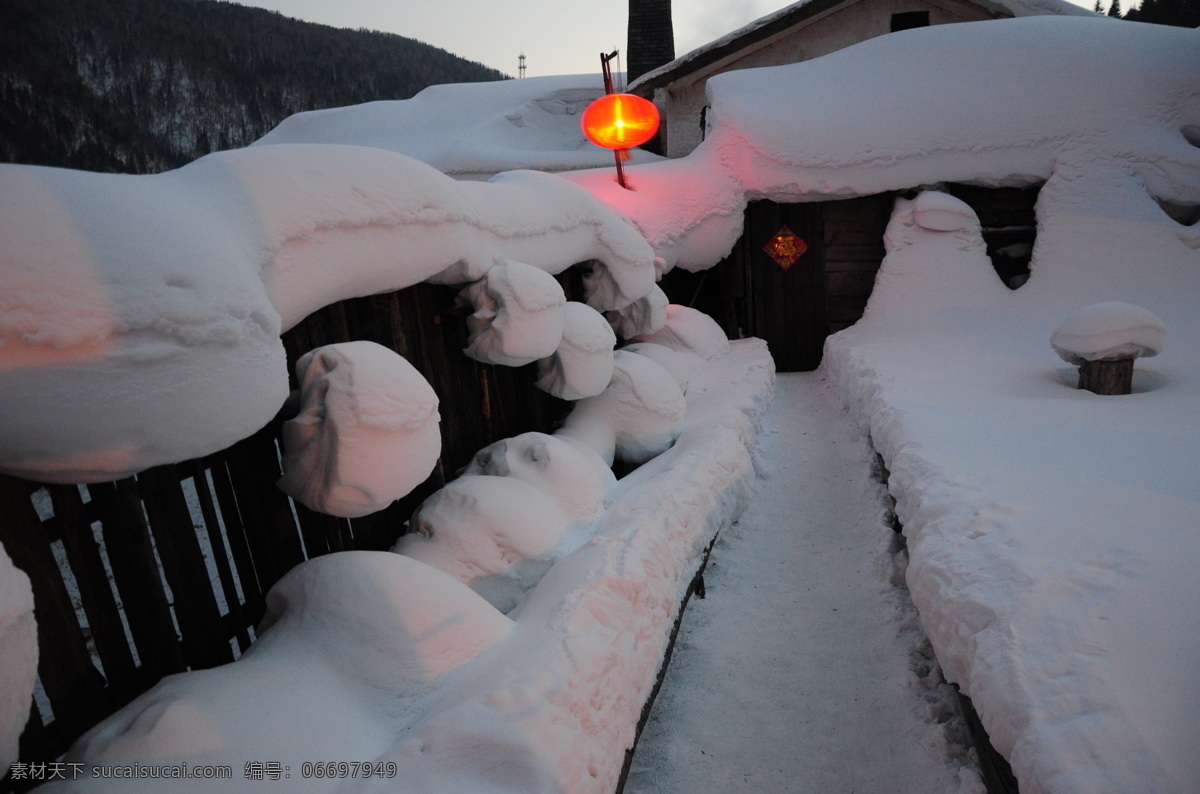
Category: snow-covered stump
<point>1103,340</point>
<point>1112,376</point>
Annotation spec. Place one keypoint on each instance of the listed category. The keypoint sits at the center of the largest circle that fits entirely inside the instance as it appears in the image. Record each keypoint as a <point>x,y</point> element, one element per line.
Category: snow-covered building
<point>799,32</point>
<point>796,303</point>
<point>1050,532</point>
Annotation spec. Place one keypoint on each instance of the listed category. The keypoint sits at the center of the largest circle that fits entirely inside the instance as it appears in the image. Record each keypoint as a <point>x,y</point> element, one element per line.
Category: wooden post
<point>1111,376</point>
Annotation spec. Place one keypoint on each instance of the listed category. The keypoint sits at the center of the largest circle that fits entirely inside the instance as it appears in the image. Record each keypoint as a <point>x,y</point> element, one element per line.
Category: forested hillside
<point>142,86</point>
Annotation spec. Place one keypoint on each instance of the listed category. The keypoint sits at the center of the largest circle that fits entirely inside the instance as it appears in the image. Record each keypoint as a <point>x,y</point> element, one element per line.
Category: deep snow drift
<point>1052,532</point>
<point>140,315</point>
<point>408,667</point>
<point>1105,109</point>
<point>470,130</point>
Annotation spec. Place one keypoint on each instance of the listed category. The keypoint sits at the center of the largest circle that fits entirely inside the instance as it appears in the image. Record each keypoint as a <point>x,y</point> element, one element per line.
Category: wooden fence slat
<point>266,512</point>
<point>339,327</point>
<point>96,594</point>
<point>221,559</point>
<point>389,324</point>
<point>315,529</point>
<point>64,662</point>
<point>205,643</point>
<point>135,572</point>
<point>249,573</point>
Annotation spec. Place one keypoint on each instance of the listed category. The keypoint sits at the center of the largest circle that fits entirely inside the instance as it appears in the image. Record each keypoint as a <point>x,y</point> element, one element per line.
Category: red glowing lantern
<point>620,121</point>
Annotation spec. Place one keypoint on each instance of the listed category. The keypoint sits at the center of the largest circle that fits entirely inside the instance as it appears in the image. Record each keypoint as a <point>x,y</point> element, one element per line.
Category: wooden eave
<point>690,70</point>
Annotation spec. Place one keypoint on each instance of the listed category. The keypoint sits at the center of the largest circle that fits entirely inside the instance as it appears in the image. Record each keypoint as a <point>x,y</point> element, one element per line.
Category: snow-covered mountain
<point>141,86</point>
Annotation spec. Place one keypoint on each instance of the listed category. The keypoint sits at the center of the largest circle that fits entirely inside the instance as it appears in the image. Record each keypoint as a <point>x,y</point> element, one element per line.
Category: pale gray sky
<point>557,36</point>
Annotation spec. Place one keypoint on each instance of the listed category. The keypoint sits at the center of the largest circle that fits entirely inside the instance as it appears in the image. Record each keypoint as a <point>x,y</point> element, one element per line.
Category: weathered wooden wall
<point>167,570</point>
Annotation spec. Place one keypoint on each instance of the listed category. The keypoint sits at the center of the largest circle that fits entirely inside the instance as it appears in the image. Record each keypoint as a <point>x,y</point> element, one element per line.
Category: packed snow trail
<point>803,669</point>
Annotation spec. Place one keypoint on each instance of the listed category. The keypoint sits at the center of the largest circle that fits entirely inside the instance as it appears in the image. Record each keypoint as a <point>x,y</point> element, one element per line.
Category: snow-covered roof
<point>802,11</point>
<point>1051,533</point>
<point>470,130</point>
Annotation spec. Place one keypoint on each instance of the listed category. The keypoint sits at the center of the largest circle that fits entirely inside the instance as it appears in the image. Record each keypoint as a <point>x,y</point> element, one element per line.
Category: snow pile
<point>644,316</point>
<point>497,534</point>
<point>470,130</point>
<point>518,315</point>
<point>582,364</point>
<point>949,103</point>
<point>941,212</point>
<point>1052,536</point>
<point>1018,8</point>
<point>340,631</point>
<point>140,316</point>
<point>1108,330</point>
<point>1051,532</point>
<point>18,656</point>
<point>682,366</point>
<point>635,418</point>
<point>379,657</point>
<point>689,331</point>
<point>575,478</point>
<point>367,432</point>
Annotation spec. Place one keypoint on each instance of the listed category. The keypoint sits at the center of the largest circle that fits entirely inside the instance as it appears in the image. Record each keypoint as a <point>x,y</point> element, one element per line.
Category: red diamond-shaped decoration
<point>785,247</point>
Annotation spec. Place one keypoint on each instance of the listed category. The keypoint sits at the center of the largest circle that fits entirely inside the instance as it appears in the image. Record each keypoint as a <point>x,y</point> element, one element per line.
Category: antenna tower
<point>521,64</point>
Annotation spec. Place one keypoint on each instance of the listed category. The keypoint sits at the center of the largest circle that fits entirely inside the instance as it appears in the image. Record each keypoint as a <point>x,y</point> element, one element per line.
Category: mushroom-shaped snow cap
<point>941,212</point>
<point>367,432</point>
<point>1108,331</point>
<point>518,315</point>
<point>692,331</point>
<point>637,417</point>
<point>496,534</point>
<point>408,625</point>
<point>582,365</point>
<point>683,366</point>
<point>572,476</point>
<point>643,316</point>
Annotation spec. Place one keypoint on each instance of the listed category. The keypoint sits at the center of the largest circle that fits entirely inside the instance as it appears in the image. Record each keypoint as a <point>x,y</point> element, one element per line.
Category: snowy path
<point>802,670</point>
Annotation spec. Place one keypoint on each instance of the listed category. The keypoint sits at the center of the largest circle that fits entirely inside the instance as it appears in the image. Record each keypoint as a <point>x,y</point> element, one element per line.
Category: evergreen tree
<point>1180,13</point>
<point>147,85</point>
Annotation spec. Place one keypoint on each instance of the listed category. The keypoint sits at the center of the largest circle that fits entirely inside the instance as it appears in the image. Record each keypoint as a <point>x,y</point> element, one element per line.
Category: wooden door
<point>786,303</point>
<point>825,290</point>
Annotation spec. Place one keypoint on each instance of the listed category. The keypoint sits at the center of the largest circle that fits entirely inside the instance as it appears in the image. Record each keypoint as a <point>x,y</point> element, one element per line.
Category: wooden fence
<point>167,570</point>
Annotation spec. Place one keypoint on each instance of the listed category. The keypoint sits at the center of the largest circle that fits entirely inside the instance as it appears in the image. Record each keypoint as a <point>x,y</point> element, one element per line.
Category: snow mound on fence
<point>140,315</point>
<point>18,656</point>
<point>517,316</point>
<point>367,432</point>
<point>340,631</point>
<point>378,657</point>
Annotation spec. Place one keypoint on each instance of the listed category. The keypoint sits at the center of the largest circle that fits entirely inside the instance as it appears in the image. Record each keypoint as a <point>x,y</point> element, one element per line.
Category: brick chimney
<point>651,37</point>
